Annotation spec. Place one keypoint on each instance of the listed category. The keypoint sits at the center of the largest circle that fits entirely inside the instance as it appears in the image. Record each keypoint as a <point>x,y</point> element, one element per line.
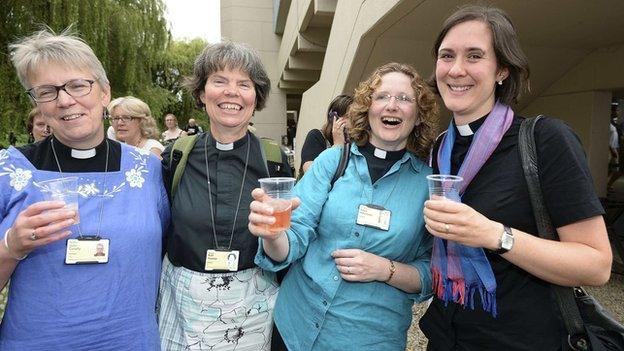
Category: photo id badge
<point>87,250</point>
<point>221,260</point>
<point>373,216</point>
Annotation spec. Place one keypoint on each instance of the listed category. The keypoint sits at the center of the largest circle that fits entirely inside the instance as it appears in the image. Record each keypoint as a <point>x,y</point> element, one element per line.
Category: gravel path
<point>611,296</point>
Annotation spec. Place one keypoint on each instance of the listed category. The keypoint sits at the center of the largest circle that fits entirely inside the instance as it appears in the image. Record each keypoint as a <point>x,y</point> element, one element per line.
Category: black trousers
<point>277,343</point>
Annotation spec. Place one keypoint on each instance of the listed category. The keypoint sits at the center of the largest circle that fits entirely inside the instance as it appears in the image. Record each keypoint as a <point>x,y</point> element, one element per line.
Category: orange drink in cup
<point>280,191</point>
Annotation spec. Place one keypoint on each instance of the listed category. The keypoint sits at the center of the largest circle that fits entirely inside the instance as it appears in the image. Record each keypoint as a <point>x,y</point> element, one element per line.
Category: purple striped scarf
<point>460,271</point>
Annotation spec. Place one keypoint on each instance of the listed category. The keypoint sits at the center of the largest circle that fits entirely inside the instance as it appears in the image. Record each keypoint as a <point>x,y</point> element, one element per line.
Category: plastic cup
<point>280,191</point>
<point>444,186</point>
<point>62,189</point>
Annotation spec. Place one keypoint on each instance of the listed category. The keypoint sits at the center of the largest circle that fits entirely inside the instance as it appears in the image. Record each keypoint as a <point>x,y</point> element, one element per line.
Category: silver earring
<point>500,82</point>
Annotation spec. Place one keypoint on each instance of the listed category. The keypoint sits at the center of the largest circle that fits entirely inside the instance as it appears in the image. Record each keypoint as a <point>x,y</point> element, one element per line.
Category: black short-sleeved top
<point>528,316</point>
<point>190,233</point>
<point>314,144</point>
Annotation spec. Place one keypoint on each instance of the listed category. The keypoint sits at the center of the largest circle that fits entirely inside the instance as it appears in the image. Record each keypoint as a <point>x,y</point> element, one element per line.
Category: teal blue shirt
<point>316,309</point>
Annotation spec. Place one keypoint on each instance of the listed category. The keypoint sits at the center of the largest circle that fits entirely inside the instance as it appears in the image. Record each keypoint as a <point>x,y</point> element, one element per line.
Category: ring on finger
<point>33,235</point>
<point>447,227</point>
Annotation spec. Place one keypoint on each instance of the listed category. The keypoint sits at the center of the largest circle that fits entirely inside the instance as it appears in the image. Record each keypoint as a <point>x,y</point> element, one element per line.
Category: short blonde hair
<point>137,108</point>
<point>46,47</point>
<point>422,136</point>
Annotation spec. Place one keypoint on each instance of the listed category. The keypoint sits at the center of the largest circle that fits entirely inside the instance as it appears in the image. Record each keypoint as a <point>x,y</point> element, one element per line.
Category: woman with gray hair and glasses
<point>62,297</point>
<point>213,297</point>
<point>133,123</point>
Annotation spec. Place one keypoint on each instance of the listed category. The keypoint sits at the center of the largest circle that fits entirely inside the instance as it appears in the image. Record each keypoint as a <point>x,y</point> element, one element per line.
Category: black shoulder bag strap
<point>577,338</point>
<point>342,164</point>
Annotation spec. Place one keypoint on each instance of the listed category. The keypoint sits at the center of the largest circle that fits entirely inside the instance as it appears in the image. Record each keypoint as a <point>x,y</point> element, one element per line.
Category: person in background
<point>134,125</point>
<point>53,305</point>
<point>172,132</point>
<point>613,147</point>
<point>492,273</point>
<point>212,295</point>
<point>12,138</point>
<point>193,128</point>
<point>353,277</point>
<point>333,132</point>
<point>37,127</point>
<point>616,146</point>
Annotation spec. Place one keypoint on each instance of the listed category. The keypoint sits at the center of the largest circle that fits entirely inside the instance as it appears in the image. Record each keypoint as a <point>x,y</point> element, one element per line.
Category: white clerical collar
<point>225,147</point>
<point>465,130</point>
<point>379,153</point>
<point>82,154</point>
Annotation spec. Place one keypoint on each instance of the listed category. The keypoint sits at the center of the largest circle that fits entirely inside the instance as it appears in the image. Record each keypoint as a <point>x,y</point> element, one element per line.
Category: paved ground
<point>610,296</point>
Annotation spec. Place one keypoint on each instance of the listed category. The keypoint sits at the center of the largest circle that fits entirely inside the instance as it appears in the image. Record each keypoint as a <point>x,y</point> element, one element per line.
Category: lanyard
<point>58,164</point>
<point>240,195</point>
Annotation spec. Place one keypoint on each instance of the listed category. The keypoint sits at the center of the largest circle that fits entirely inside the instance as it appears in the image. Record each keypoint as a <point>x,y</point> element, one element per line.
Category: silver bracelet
<point>6,244</point>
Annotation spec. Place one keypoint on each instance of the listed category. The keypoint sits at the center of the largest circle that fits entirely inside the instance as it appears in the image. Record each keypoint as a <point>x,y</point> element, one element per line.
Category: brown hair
<point>229,55</point>
<point>422,136</point>
<point>507,48</point>
<point>337,107</point>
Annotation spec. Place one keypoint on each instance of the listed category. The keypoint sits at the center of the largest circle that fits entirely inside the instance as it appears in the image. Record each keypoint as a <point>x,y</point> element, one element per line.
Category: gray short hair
<point>137,108</point>
<point>232,55</point>
<point>45,47</point>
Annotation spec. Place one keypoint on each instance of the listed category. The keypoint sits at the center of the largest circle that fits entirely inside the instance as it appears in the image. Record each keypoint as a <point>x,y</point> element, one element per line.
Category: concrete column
<point>251,22</point>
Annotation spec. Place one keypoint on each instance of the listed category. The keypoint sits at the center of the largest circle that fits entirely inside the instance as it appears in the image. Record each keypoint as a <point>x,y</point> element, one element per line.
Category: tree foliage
<point>130,37</point>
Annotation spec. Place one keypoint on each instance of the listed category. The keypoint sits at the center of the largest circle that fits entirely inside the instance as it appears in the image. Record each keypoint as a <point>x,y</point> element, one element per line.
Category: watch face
<point>507,241</point>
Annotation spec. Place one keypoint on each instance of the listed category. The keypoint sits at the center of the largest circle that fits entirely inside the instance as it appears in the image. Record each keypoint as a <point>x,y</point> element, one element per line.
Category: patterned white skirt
<point>216,311</point>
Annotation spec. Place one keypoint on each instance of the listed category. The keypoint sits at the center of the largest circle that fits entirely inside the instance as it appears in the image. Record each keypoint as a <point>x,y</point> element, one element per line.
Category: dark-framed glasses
<point>401,99</point>
<point>125,119</point>
<point>74,88</point>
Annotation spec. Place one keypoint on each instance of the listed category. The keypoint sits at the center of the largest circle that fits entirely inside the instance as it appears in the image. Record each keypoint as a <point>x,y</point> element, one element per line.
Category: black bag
<point>589,325</point>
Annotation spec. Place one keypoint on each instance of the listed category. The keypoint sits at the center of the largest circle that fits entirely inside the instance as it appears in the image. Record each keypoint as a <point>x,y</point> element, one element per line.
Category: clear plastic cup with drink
<point>62,189</point>
<point>444,186</point>
<point>279,189</point>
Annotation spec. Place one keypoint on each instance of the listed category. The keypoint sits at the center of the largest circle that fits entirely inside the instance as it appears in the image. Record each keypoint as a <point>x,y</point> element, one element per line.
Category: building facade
<point>317,49</point>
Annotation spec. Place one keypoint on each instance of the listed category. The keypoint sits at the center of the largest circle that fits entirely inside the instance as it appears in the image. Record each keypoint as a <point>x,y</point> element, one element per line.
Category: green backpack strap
<point>272,150</point>
<point>185,145</point>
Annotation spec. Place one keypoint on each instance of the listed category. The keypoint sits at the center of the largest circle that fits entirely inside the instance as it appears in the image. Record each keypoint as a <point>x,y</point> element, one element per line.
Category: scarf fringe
<point>456,291</point>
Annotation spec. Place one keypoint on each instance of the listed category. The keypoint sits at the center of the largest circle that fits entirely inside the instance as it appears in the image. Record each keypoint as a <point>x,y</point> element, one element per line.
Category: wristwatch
<point>506,241</point>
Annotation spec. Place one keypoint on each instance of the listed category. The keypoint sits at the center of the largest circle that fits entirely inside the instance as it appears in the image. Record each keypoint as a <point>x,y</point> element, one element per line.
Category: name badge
<point>87,250</point>
<point>221,260</point>
<point>373,216</point>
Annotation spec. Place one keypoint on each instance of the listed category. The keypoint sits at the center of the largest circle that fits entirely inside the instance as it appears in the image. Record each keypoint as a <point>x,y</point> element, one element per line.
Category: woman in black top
<point>212,294</point>
<point>506,303</point>
<point>332,133</point>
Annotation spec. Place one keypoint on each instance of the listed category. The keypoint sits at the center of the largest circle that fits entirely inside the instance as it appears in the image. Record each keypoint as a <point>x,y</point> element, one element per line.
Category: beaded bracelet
<point>392,269</point>
<point>6,244</point>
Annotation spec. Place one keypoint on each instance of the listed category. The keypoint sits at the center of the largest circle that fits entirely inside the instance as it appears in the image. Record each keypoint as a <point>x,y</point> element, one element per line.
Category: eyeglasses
<point>126,119</point>
<point>74,88</point>
<point>401,99</point>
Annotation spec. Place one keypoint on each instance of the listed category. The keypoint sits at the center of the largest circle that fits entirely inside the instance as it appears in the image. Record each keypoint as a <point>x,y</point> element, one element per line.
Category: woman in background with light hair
<point>133,123</point>
<point>172,132</point>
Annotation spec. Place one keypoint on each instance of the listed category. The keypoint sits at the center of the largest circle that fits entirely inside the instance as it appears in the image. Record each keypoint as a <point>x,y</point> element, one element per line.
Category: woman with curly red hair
<point>358,251</point>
